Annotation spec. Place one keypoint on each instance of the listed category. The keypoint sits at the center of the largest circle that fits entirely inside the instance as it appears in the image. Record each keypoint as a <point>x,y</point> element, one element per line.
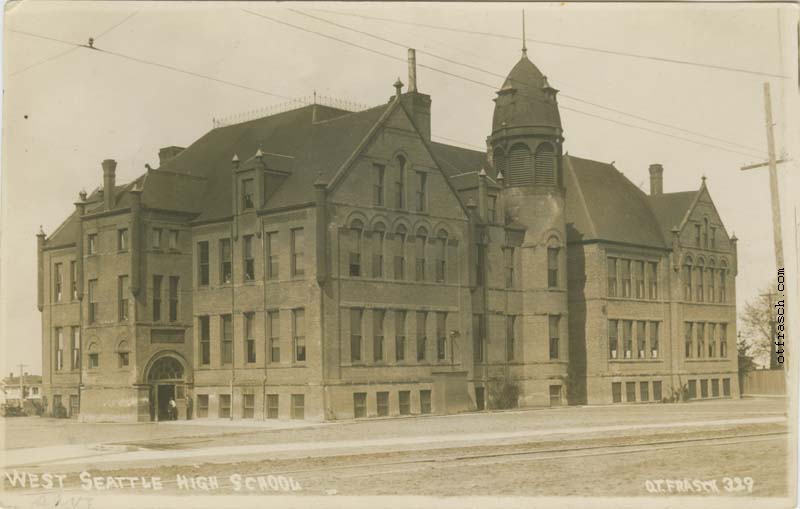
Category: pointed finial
<point>524,44</point>
<point>398,86</point>
<point>41,231</point>
<point>259,153</point>
<point>703,178</point>
<point>235,158</point>
<point>82,195</point>
<point>500,176</point>
<point>482,173</point>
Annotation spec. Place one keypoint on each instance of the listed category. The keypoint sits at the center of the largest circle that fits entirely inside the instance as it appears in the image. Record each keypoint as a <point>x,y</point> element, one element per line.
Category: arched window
<point>711,276</point>
<point>705,233</point>
<point>94,356</point>
<point>687,278</point>
<point>419,249</point>
<point>356,229</point>
<point>378,233</point>
<point>500,162</point>
<point>400,235</point>
<point>165,368</point>
<point>520,169</point>
<point>123,354</point>
<point>400,182</point>
<point>441,255</point>
<point>698,273</point>
<point>723,281</point>
<point>545,163</point>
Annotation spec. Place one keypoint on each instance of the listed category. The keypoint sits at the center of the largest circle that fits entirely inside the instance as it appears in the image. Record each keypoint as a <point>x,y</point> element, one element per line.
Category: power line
<point>574,98</point>
<point>372,50</point>
<point>155,64</point>
<point>565,45</point>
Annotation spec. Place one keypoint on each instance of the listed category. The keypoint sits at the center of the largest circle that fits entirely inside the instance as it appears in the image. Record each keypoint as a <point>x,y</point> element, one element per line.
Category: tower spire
<point>524,45</point>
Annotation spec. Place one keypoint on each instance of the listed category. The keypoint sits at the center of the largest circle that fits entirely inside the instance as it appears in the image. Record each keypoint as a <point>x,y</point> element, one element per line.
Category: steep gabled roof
<point>457,160</point>
<point>602,204</point>
<point>670,210</point>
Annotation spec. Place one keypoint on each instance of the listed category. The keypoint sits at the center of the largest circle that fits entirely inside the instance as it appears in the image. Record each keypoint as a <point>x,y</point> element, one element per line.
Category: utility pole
<point>772,163</point>
<point>773,350</point>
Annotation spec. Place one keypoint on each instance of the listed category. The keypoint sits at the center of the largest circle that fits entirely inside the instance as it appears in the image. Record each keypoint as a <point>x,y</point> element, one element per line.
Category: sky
<point>65,110</point>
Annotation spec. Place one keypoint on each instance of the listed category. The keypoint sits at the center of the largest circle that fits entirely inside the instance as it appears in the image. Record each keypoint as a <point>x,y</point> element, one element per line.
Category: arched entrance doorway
<point>166,379</point>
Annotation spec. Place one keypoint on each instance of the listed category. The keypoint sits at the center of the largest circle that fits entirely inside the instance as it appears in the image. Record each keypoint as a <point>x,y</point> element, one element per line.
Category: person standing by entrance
<point>173,409</point>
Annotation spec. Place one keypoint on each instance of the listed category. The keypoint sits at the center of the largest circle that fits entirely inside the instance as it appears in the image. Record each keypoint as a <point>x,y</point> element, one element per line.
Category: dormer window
<point>247,194</point>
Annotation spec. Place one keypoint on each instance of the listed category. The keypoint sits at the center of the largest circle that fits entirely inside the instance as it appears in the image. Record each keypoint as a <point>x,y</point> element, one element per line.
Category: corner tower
<point>526,147</point>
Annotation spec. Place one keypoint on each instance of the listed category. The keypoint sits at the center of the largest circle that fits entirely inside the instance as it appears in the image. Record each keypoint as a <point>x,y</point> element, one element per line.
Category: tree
<point>757,325</point>
<point>746,362</point>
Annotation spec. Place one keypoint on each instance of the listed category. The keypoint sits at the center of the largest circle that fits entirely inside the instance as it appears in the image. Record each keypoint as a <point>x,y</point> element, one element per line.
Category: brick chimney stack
<point>109,182</point>
<point>656,179</point>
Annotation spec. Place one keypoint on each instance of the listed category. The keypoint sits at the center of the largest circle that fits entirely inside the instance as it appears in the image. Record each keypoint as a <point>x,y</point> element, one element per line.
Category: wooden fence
<point>771,382</point>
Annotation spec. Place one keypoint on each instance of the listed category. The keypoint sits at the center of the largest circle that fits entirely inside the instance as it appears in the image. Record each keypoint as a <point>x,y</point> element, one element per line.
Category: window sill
<point>708,359</point>
<point>629,299</point>
<point>626,361</point>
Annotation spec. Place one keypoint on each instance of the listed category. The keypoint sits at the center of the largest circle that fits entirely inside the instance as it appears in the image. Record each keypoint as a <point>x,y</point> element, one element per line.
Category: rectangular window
<point>687,282</point>
<point>425,401</point>
<point>698,276</point>
<point>441,259</point>
<point>630,392</point>
<point>93,310</point>
<point>552,267</point>
<point>91,244</point>
<point>225,266</point>
<point>553,322</point>
<point>701,338</point>
<point>249,337</point>
<point>157,298</point>
<point>712,340</point>
<point>157,234</point>
<point>354,255</point>
<point>723,285</point>
<point>399,257</point>
<point>173,239</point>
<point>441,336</point>
<point>723,340</point>
<point>122,239</point>
<point>124,359</point>
<point>76,347</point>
<point>400,335</point>
<point>657,390</point>
<point>613,338</point>
<point>491,209</point>
<point>422,189</point>
<point>644,391</point>
<point>704,388</point>
<point>383,404</point>
<point>626,278</point>
<point>248,406</point>
<point>638,275</point>
<point>202,405</point>
<point>377,188</point>
<point>224,406</point>
<point>715,388</point>
<point>400,185</point>
<point>298,406</point>
<point>652,280</point>
<point>272,406</point>
<point>299,333</point>
<point>612,277</point>
<point>57,282</point>
<point>174,292</point>
<point>298,253</point>
<point>687,336</point>
<point>478,335</point>
<point>510,337</point>
<point>641,340</point>
<point>713,237</point>
<point>359,404</point>
<point>123,290</point>
<point>94,360</point>
<point>202,263</point>
<point>726,386</point>
<point>249,261</point>
<point>272,256</point>
<point>274,336</point>
<point>405,402</point>
<point>692,389</point>
<point>697,235</point>
<point>247,194</point>
<point>627,331</point>
<point>226,339</point>
<point>422,338</point>
<point>73,280</point>
<point>377,254</point>
<point>419,247</point>
<point>654,346</point>
<point>508,262</point>
<point>205,340</point>
<point>378,316</point>
<point>616,392</point>
<point>356,315</point>
<point>59,332</point>
<point>712,287</point>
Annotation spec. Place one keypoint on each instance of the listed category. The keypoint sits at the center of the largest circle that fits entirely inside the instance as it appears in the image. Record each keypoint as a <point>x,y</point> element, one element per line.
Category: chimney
<point>418,105</point>
<point>167,153</point>
<point>109,181</point>
<point>656,179</point>
<point>412,70</point>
